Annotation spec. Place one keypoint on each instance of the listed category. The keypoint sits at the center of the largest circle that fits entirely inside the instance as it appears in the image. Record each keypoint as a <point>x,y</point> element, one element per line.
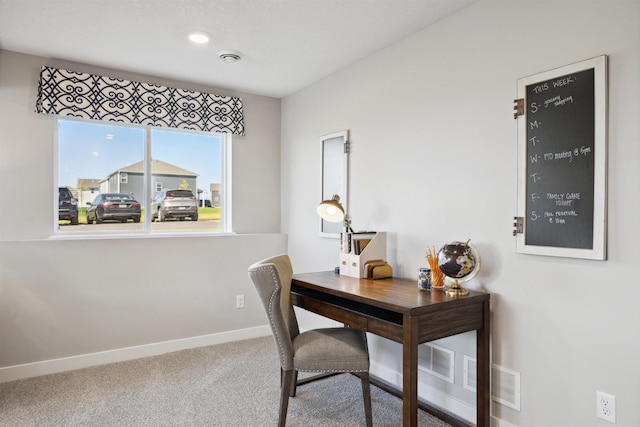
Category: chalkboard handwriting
<point>566,213</point>
<point>534,124</point>
<point>563,101</point>
<point>558,217</point>
<point>583,150</point>
<point>551,100</point>
<point>569,154</point>
<point>564,155</point>
<point>564,199</point>
<point>557,101</point>
<point>541,88</point>
<point>534,107</point>
<point>557,83</point>
<point>564,81</point>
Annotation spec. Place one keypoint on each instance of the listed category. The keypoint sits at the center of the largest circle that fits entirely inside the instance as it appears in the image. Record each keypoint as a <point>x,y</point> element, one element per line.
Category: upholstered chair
<point>329,350</point>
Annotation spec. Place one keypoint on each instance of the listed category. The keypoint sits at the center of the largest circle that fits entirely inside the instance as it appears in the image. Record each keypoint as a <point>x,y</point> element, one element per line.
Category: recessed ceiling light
<point>199,37</point>
<point>229,56</point>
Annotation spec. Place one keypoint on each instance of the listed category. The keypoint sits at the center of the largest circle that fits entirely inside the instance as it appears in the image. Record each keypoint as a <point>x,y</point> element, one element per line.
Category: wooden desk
<point>396,309</point>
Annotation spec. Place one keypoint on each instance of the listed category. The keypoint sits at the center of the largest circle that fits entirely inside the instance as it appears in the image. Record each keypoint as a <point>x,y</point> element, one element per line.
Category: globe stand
<point>456,290</point>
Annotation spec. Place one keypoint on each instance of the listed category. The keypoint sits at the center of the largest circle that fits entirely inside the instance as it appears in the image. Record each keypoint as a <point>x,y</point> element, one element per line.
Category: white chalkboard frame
<point>598,252</point>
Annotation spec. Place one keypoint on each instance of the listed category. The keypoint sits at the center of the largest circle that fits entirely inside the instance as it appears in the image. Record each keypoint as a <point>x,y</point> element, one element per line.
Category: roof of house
<point>158,167</point>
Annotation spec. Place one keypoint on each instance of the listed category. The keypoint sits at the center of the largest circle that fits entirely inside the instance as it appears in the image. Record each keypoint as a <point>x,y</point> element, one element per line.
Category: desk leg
<point>483,366</point>
<point>409,371</point>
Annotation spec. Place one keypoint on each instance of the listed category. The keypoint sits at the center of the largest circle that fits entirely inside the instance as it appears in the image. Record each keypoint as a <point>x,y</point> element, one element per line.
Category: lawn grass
<point>204,214</point>
<point>208,214</point>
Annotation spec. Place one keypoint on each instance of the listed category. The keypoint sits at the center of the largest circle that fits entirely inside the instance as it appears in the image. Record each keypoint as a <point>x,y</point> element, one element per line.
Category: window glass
<point>92,152</point>
<point>151,180</point>
<point>186,165</point>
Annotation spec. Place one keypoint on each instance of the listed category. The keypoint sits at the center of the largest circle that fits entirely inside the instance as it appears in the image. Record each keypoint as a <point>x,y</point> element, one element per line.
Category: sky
<point>89,150</point>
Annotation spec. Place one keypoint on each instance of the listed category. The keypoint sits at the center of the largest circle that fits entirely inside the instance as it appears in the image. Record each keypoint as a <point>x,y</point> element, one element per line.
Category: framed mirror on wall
<point>335,172</point>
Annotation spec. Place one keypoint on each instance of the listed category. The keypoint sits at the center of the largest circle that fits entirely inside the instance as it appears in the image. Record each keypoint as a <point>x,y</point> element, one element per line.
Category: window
<point>150,179</point>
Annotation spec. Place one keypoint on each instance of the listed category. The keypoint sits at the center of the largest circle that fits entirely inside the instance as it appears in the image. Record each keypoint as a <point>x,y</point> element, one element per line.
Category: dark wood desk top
<point>394,294</point>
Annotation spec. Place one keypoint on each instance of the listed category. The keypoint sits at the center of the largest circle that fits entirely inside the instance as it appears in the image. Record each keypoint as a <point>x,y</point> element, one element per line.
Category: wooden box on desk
<point>358,248</point>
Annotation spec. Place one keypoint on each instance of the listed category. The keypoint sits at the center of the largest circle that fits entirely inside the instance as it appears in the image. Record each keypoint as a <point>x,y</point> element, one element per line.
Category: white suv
<point>178,204</point>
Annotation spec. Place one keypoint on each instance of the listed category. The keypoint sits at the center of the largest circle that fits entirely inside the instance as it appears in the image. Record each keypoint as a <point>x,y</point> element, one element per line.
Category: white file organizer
<point>352,264</point>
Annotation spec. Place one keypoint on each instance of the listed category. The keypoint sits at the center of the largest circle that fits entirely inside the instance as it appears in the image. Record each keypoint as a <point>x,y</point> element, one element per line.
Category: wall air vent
<point>437,361</point>
<point>470,379</point>
<point>505,387</point>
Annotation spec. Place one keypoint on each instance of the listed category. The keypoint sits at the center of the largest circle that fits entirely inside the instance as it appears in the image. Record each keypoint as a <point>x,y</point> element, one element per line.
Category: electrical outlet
<point>239,301</point>
<point>606,406</point>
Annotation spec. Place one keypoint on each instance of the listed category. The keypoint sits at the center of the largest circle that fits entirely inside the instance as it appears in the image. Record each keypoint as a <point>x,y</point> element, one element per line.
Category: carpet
<point>231,384</point>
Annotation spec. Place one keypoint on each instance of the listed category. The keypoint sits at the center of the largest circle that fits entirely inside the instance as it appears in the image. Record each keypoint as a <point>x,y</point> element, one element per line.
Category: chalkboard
<point>563,172</point>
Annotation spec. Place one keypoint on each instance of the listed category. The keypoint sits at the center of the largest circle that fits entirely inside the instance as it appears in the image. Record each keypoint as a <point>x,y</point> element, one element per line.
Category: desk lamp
<point>331,210</point>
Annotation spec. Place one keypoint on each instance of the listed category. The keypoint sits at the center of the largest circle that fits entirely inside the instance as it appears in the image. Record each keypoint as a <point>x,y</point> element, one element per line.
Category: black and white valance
<point>89,96</point>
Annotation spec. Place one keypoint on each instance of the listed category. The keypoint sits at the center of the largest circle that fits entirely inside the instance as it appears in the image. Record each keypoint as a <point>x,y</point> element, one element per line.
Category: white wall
<point>56,300</point>
<point>434,159</point>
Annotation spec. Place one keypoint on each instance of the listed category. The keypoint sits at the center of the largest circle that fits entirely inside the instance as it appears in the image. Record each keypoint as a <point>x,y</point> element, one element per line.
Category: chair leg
<point>294,384</point>
<point>285,387</point>
<point>366,395</point>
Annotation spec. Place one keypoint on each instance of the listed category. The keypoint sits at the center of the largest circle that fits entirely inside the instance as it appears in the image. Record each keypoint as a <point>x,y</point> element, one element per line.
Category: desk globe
<point>459,261</point>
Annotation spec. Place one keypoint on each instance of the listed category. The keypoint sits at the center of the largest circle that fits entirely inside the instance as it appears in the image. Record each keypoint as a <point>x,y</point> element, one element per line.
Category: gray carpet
<point>233,384</point>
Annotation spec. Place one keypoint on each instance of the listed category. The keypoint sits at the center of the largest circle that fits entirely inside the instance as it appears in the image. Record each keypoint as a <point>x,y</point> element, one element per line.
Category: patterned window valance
<point>88,96</point>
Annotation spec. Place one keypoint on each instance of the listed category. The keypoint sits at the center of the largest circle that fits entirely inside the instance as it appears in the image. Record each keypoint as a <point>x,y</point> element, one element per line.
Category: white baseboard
<point>432,395</point>
<point>497,422</point>
<point>28,370</point>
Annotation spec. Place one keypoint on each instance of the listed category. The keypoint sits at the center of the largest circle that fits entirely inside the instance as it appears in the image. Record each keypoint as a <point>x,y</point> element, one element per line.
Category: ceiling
<point>285,44</point>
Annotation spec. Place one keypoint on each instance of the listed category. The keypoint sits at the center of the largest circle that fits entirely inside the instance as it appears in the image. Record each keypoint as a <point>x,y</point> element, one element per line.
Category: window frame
<point>147,231</point>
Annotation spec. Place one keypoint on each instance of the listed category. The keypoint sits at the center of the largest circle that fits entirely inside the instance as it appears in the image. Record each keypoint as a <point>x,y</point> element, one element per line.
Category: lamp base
<point>456,290</point>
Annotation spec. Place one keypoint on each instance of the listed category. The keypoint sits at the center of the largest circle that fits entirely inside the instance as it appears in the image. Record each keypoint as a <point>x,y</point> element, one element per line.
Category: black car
<point>67,206</point>
<point>115,207</point>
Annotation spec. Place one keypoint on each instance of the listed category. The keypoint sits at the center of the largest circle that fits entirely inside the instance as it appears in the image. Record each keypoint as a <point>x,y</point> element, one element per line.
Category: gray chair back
<point>272,279</point>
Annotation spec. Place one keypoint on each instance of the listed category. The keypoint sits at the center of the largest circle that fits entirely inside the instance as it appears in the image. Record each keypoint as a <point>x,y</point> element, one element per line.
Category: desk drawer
<point>444,323</point>
<point>385,329</point>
